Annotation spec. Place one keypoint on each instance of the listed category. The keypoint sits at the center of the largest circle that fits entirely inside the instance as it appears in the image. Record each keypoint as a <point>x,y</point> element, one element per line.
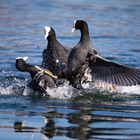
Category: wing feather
<point>113,73</point>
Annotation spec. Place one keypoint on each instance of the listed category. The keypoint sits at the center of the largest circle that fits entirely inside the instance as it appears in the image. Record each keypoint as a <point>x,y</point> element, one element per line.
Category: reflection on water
<point>26,114</point>
<point>116,120</point>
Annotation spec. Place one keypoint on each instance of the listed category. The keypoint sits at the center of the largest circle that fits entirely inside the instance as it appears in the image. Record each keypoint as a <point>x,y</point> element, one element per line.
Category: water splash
<point>129,90</point>
<point>63,92</point>
<point>12,85</point>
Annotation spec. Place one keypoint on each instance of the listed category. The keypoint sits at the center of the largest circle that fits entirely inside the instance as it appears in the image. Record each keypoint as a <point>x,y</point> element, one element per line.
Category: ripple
<point>67,113</point>
<point>135,50</point>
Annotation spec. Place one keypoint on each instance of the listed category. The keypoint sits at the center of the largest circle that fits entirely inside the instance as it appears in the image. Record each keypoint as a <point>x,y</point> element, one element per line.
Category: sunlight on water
<point>67,113</point>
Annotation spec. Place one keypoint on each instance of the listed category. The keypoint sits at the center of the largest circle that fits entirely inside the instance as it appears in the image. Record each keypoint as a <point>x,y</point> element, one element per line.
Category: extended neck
<point>51,38</point>
<point>22,66</point>
<point>84,34</point>
<point>51,41</point>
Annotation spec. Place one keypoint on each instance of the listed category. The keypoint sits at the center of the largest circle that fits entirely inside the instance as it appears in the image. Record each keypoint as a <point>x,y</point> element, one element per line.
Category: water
<point>89,114</point>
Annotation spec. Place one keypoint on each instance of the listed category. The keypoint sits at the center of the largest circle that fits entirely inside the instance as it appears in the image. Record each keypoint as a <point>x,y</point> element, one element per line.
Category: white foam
<point>6,90</point>
<point>66,91</point>
<point>88,85</point>
<point>129,89</point>
<point>17,87</point>
<point>62,92</point>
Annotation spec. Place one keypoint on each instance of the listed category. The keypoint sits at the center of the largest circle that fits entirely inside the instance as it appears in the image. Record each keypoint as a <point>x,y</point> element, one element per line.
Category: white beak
<point>73,29</point>
<point>46,31</point>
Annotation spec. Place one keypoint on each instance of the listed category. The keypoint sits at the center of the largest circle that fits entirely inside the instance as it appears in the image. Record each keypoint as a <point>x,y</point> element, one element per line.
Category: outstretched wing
<point>116,74</point>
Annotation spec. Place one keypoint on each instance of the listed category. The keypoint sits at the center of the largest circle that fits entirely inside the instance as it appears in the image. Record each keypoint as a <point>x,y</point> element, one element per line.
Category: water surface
<point>92,114</point>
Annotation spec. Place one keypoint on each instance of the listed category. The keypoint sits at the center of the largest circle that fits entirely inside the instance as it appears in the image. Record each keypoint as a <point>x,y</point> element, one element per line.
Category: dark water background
<point>26,115</point>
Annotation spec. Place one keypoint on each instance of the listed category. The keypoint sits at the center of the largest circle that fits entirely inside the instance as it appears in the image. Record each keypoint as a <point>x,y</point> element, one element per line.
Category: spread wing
<point>116,74</point>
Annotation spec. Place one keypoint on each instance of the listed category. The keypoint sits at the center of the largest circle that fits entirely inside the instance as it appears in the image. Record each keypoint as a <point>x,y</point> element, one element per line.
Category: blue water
<point>28,115</point>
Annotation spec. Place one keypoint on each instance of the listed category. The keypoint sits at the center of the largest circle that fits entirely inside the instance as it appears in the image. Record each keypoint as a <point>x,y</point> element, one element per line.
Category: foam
<point>16,86</point>
<point>62,92</point>
<point>130,89</point>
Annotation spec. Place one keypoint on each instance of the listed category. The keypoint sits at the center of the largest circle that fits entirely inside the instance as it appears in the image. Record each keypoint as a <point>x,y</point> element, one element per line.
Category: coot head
<point>79,24</point>
<point>41,78</point>
<point>20,63</point>
<point>49,32</point>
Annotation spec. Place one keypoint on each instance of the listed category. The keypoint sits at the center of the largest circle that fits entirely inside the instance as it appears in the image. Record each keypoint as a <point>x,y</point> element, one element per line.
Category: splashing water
<point>18,86</point>
<point>62,92</point>
<point>12,85</point>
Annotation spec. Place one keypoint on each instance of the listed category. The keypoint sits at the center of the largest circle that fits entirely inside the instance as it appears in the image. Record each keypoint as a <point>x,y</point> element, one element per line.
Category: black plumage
<point>78,54</point>
<point>113,73</point>
<point>21,65</point>
<point>55,54</point>
<point>40,80</point>
<point>73,67</point>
